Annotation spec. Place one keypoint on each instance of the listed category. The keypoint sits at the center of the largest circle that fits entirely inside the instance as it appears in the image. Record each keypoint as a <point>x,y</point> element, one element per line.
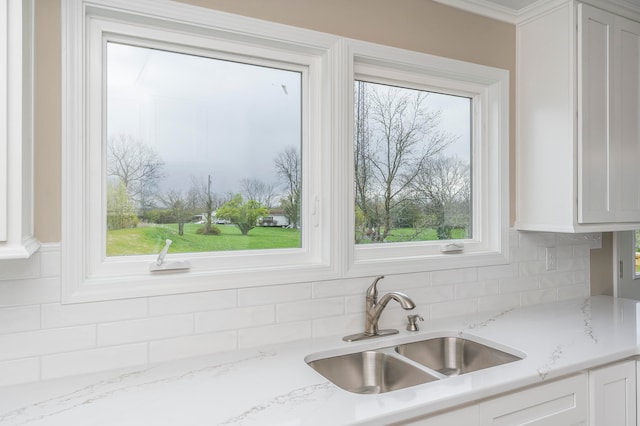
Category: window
<point>411,164</point>
<point>429,162</point>
<point>235,140</point>
<point>195,136</point>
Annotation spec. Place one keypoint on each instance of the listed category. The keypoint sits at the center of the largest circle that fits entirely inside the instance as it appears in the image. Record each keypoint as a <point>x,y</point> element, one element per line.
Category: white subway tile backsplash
<point>556,279</point>
<point>573,291</point>
<point>21,318</point>
<point>102,359</point>
<point>16,269</point>
<point>532,268</point>
<point>496,272</point>
<point>498,303</point>
<point>340,287</point>
<point>403,282</point>
<point>190,346</point>
<point>41,342</point>
<point>428,295</point>
<point>17,371</point>
<point>354,304</point>
<point>525,253</point>
<point>57,315</point>
<point>539,296</point>
<point>192,302</point>
<point>309,309</point>
<point>41,338</point>
<point>472,289</point>
<point>518,284</point>
<point>278,333</point>
<point>454,276</point>
<point>29,292</point>
<point>145,329</point>
<point>273,294</point>
<point>338,325</point>
<point>231,319</point>
<point>453,308</point>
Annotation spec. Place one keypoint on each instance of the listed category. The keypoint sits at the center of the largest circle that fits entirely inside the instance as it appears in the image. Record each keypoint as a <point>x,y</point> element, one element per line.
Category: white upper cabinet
<point>16,129</point>
<point>578,133</point>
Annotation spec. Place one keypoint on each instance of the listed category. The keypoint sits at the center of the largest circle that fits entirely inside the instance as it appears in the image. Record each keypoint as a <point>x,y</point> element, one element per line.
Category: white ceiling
<point>515,11</point>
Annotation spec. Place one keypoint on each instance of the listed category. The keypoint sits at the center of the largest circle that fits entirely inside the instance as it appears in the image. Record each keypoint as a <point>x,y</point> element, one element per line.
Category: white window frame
<point>489,90</point>
<point>328,249</point>
<point>88,274</point>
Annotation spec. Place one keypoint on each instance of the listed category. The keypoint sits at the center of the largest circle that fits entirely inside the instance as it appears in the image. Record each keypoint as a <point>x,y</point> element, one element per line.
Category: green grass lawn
<point>150,239</point>
<point>407,234</point>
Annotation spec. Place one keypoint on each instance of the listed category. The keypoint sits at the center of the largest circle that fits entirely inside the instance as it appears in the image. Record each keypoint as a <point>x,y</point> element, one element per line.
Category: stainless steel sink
<point>370,372</point>
<point>452,356</point>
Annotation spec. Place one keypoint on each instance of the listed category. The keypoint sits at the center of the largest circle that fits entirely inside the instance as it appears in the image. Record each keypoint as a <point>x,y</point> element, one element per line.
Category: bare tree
<point>362,161</point>
<point>289,168</point>
<point>402,135</point>
<point>445,185</point>
<point>255,189</point>
<point>137,165</point>
<point>205,200</point>
<point>177,203</point>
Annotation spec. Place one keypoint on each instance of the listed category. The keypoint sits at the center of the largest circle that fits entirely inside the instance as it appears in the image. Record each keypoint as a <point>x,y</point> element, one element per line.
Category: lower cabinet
<point>561,402</point>
<point>603,396</point>
<point>612,397</point>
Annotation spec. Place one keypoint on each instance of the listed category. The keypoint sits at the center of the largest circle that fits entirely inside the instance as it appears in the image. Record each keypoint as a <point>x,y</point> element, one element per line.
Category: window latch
<point>174,265</point>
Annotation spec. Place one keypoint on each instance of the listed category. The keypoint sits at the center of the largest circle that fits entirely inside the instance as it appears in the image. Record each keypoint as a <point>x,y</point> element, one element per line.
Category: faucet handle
<point>372,291</point>
<point>413,319</point>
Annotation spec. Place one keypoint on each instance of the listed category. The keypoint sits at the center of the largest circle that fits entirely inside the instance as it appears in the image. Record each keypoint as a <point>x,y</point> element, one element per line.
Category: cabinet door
<point>595,87</point>
<point>562,402</point>
<point>608,111</point>
<point>626,122</point>
<point>467,416</point>
<point>613,394</point>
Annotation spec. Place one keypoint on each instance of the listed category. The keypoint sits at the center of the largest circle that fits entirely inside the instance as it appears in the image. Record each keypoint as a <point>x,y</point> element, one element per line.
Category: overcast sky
<point>222,118</point>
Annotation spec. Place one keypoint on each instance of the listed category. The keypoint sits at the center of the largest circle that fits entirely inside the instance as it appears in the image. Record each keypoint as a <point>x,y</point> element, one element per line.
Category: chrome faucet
<point>374,308</point>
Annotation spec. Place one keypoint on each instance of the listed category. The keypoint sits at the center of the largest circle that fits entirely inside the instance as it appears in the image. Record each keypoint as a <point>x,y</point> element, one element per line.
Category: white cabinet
<point>16,129</point>
<point>561,402</point>
<point>467,416</point>
<point>578,137</point>
<point>612,394</point>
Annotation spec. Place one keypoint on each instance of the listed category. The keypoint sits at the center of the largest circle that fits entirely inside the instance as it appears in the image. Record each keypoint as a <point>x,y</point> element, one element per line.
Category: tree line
<point>135,168</point>
<point>403,177</point>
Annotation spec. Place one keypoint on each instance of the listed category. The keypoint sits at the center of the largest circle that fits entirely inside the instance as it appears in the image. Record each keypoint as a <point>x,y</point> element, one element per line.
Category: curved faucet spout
<point>404,300</point>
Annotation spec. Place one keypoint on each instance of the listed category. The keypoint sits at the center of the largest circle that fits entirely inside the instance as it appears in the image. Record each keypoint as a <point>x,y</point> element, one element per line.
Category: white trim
<point>492,10</point>
<point>16,130</point>
<point>502,13</point>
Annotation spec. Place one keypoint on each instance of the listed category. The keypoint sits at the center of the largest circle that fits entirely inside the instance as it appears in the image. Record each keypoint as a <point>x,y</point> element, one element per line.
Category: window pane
<point>205,152</point>
<point>412,165</point>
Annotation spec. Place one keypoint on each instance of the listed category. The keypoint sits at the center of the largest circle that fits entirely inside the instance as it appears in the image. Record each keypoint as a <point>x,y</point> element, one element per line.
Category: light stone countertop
<point>272,385</point>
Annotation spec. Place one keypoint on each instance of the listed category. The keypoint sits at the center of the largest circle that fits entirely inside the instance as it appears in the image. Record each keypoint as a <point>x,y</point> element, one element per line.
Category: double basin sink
<point>403,365</point>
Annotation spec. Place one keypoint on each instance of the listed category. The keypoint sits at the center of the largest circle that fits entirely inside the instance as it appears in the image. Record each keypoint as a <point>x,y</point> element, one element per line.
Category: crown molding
<point>489,9</point>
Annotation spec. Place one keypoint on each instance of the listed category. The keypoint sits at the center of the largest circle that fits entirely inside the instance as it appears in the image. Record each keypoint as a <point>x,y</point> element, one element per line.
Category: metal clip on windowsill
<point>174,265</point>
